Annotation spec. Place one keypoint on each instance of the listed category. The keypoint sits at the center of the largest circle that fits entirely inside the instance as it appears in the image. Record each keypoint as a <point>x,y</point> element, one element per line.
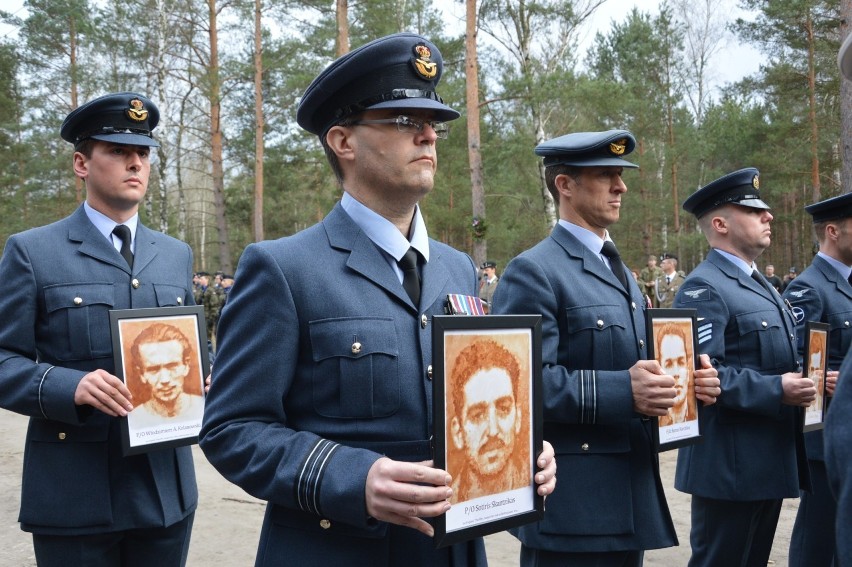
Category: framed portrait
<point>488,422</point>
<point>161,355</point>
<point>815,367</point>
<point>672,341</point>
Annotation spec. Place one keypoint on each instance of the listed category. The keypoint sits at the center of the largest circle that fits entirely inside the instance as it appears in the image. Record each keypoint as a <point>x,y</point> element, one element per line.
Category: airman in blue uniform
<point>838,427</point>
<point>321,399</point>
<point>822,293</point>
<point>86,504</point>
<point>601,392</point>
<point>752,454</point>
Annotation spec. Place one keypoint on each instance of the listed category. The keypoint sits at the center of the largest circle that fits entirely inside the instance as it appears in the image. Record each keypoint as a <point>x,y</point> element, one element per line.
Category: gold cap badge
<point>423,65</point>
<point>617,147</point>
<point>137,111</point>
<point>756,182</point>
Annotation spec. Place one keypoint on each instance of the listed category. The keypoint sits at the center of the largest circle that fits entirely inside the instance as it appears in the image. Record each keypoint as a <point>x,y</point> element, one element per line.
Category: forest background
<point>233,167</point>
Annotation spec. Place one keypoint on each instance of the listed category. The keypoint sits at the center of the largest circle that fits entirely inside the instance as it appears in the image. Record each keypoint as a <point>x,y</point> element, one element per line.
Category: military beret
<point>488,264</point>
<point>396,71</point>
<point>793,270</point>
<point>120,118</point>
<point>844,57</point>
<point>741,187</point>
<point>835,208</point>
<point>586,149</point>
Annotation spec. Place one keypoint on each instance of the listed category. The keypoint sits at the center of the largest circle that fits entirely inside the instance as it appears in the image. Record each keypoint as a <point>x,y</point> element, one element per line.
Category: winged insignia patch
<point>799,293</point>
<point>695,293</point>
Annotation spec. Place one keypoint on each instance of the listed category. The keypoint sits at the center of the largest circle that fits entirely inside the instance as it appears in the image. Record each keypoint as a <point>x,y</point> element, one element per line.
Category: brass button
<point>78,301</point>
<point>600,323</point>
<point>325,524</point>
<point>641,343</point>
<point>584,446</point>
<point>356,347</point>
<point>135,283</point>
<point>845,323</point>
<point>180,301</point>
<point>61,436</point>
<point>424,320</point>
<point>764,324</point>
<point>429,372</point>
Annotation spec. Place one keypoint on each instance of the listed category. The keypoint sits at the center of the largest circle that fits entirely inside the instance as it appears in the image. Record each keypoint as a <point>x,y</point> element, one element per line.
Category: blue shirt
<point>385,234</point>
<point>841,268</point>
<point>588,238</point>
<point>105,226</point>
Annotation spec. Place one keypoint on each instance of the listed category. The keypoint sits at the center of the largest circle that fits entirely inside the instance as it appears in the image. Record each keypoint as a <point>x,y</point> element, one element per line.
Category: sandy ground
<point>228,520</point>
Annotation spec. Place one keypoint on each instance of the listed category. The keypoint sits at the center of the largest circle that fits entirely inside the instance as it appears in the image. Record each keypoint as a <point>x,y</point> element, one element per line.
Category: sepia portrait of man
<point>163,374</point>
<point>674,352</point>
<point>488,422</point>
<point>816,361</point>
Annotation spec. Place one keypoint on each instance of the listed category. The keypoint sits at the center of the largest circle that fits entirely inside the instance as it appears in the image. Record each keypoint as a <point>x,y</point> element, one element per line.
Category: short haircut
<point>669,329</point>
<point>482,355</point>
<point>85,147</point>
<point>333,161</point>
<point>553,171</point>
<point>159,333</point>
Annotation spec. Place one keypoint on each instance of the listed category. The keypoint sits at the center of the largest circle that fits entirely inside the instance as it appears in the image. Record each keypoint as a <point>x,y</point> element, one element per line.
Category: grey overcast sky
<point>730,64</point>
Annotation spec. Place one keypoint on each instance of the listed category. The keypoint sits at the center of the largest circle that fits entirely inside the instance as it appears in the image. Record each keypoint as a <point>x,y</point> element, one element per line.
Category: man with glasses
<point>322,395</point>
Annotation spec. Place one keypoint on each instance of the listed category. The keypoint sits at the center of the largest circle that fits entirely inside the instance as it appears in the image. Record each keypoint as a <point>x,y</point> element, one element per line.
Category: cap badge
<point>756,182</point>
<point>423,65</point>
<point>617,147</point>
<point>137,111</point>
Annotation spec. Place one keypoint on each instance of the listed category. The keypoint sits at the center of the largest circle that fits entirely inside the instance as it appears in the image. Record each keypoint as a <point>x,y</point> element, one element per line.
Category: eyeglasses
<point>408,125</point>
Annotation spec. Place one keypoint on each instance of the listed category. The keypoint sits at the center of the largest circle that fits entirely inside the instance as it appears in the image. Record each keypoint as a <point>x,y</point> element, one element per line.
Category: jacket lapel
<point>91,242</point>
<point>365,257</point>
<point>591,261</point>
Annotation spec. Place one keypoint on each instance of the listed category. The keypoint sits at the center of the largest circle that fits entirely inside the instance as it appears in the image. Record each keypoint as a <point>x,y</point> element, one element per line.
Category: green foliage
<point>534,84</point>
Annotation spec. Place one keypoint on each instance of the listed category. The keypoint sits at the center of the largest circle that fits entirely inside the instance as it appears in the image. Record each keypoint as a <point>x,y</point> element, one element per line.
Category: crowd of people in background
<point>212,296</point>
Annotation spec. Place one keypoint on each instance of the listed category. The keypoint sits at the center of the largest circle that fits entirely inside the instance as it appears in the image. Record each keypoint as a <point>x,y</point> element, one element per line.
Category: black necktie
<point>123,234</point>
<point>849,279</point>
<point>410,275</point>
<point>755,275</point>
<point>615,264</point>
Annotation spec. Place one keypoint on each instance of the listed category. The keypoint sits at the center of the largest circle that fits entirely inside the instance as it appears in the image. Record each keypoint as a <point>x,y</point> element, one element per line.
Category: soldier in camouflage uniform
<point>211,299</point>
<point>648,277</point>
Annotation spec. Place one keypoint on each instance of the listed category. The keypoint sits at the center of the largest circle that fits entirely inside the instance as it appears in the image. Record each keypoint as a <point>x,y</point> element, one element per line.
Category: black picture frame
<point>682,425</point>
<point>815,367</point>
<point>505,496</point>
<point>147,428</point>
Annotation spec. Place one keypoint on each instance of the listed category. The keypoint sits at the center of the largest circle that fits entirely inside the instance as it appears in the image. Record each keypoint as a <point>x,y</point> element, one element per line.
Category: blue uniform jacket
<point>323,366</point>
<point>838,459</point>
<point>60,282</point>
<point>821,294</point>
<point>752,446</point>
<point>610,497</point>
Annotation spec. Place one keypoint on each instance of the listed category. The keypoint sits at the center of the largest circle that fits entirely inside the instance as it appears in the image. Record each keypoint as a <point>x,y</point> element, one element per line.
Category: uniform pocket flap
<point>599,317</point>
<point>353,337</point>
<point>76,295</point>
